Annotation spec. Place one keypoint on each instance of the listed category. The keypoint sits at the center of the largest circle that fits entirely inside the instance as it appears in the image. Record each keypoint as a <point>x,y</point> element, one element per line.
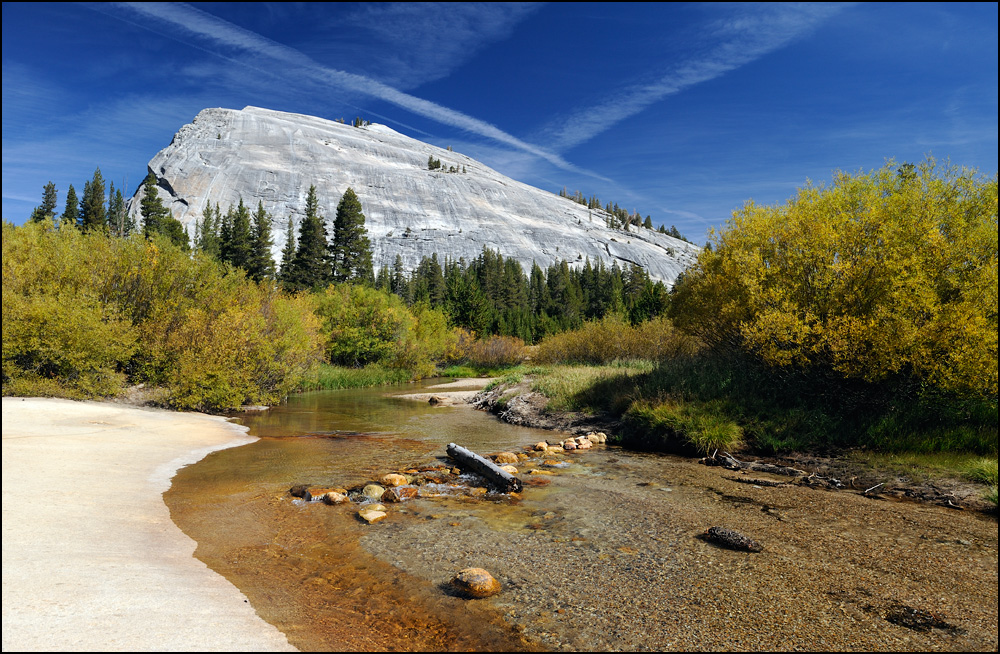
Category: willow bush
<point>887,277</point>
<point>613,338</point>
<point>85,314</point>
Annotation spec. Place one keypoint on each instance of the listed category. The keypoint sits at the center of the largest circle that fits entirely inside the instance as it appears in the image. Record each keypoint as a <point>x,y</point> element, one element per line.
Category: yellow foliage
<point>84,313</point>
<point>885,273</point>
<point>613,338</point>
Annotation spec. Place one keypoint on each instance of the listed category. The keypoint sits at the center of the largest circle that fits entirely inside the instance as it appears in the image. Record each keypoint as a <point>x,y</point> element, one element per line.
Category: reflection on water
<point>302,565</point>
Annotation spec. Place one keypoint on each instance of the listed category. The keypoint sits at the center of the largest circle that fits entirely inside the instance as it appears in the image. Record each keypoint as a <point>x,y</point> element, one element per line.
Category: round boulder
<point>393,479</point>
<point>505,457</point>
<point>475,583</point>
<point>373,491</point>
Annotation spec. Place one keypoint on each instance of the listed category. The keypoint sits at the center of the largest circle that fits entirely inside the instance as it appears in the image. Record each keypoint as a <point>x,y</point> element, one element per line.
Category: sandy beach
<point>91,558</point>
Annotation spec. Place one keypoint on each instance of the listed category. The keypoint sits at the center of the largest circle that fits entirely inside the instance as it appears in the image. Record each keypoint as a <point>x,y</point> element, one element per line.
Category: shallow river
<point>603,554</point>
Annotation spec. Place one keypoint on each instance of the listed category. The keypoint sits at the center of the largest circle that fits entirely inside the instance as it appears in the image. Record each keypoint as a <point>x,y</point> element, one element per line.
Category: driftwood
<point>497,478</point>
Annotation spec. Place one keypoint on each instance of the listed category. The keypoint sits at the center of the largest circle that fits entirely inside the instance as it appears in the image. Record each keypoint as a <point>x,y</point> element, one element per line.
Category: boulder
<point>393,479</point>
<point>509,468</point>
<point>475,583</point>
<point>505,457</point>
<point>374,491</point>
<point>541,446</point>
<point>399,494</point>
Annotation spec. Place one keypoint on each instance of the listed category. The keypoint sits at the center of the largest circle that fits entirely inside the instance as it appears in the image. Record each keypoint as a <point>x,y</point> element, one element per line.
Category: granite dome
<point>273,157</point>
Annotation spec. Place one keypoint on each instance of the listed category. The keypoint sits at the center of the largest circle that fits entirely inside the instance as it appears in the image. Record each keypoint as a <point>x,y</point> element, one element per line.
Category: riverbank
<point>518,404</point>
<point>91,558</point>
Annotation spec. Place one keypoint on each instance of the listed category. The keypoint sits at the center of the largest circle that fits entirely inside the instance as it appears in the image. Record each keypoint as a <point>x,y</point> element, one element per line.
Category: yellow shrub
<point>886,273</point>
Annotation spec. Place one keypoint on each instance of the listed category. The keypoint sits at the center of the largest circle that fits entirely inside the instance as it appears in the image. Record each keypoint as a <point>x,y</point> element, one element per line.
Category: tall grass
<point>329,377</point>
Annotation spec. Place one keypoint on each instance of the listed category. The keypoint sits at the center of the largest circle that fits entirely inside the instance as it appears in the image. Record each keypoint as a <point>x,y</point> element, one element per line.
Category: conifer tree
<point>261,265</point>
<point>350,251</point>
<point>119,222</point>
<point>207,238</point>
<point>310,268</point>
<point>288,253</point>
<point>93,215</point>
<point>236,246</point>
<point>156,218</point>
<point>397,282</point>
<point>48,207</point>
<point>71,214</point>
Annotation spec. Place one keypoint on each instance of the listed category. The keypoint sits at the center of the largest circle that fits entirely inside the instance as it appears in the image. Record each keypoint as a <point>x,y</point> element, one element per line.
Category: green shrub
<point>613,338</point>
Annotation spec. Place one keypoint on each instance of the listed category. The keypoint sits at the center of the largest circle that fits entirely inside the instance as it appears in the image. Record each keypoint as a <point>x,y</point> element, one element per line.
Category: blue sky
<point>680,111</point>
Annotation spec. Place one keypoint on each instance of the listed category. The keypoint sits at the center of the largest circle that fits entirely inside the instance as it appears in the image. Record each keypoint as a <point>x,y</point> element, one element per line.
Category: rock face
<point>411,211</point>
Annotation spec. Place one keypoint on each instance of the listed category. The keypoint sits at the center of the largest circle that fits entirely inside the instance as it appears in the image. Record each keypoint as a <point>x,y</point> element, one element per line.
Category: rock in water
<point>393,479</point>
<point>731,539</point>
<point>273,157</point>
<point>399,494</point>
<point>475,583</point>
<point>371,516</point>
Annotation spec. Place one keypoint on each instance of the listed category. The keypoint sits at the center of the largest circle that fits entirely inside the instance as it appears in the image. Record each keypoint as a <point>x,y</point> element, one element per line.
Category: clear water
<point>302,564</point>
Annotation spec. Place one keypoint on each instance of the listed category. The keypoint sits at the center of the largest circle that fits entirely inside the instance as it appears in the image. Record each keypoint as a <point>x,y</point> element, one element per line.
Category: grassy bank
<point>696,404</point>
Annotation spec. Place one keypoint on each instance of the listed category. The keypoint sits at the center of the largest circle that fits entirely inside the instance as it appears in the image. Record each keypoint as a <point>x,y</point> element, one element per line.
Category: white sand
<point>91,559</point>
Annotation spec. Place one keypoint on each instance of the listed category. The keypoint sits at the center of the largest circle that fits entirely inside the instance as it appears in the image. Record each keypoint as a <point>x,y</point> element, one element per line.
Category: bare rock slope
<point>270,156</point>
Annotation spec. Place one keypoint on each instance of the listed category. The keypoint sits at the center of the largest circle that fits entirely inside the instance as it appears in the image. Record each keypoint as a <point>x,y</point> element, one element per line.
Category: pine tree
<point>648,224</point>
<point>120,223</point>
<point>71,214</point>
<point>207,238</point>
<point>397,281</point>
<point>261,265</point>
<point>310,268</point>
<point>156,218</point>
<point>48,207</point>
<point>288,253</point>
<point>237,241</point>
<point>350,251</point>
<point>93,216</point>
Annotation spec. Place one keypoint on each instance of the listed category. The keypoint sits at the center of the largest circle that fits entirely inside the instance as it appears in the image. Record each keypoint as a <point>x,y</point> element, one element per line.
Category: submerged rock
<point>731,539</point>
<point>371,515</point>
<point>300,490</point>
<point>333,497</point>
<point>399,494</point>
<point>475,583</point>
<point>505,457</point>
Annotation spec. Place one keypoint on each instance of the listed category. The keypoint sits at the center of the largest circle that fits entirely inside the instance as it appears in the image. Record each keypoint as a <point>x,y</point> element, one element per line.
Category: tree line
<point>489,295</point>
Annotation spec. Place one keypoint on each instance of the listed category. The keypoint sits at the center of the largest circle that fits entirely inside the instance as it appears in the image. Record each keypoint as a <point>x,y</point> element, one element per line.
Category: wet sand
<point>91,559</point>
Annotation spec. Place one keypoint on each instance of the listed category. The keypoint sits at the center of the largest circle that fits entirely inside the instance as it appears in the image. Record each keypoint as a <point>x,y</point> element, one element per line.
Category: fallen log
<point>499,479</point>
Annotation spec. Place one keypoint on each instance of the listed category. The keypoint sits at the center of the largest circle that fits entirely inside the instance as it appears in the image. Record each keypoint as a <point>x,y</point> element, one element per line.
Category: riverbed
<point>604,553</point>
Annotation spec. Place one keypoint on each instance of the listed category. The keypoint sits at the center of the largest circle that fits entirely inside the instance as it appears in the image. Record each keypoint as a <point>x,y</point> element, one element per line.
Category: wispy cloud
<point>735,42</point>
<point>247,48</point>
<point>407,44</point>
